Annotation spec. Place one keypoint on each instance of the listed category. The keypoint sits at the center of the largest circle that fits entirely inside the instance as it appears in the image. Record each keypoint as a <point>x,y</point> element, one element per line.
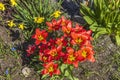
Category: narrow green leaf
<point>86,10</point>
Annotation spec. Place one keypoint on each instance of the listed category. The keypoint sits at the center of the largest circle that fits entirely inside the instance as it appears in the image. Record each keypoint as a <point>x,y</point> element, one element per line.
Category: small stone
<point>26,71</point>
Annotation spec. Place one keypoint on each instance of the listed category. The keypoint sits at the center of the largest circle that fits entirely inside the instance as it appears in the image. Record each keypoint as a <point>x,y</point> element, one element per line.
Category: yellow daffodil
<point>39,19</point>
<point>2,7</point>
<point>56,14</point>
<point>13,2</point>
<point>11,23</point>
<point>21,26</point>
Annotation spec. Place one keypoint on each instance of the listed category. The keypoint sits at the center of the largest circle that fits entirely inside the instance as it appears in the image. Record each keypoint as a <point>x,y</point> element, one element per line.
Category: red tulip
<point>51,68</point>
<point>56,53</point>
<point>86,53</point>
<point>61,41</point>
<point>40,36</point>
<point>78,38</point>
<point>71,57</point>
<point>54,25</point>
<point>67,29</point>
<point>30,50</point>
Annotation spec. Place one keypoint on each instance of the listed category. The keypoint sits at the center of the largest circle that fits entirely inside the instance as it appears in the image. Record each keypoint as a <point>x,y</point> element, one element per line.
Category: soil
<point>103,69</point>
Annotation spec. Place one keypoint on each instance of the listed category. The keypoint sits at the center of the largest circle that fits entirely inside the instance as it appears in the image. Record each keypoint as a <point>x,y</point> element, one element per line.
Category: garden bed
<point>13,59</point>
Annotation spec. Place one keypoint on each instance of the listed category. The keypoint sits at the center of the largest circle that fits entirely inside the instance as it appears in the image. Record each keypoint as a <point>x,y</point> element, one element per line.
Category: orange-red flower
<point>88,34</point>
<point>77,28</point>
<point>56,53</point>
<point>40,36</point>
<point>51,68</point>
<point>86,53</point>
<point>51,43</point>
<point>30,50</point>
<point>54,25</point>
<point>67,28</point>
<point>44,57</point>
<point>71,57</point>
<point>87,43</point>
<point>43,47</point>
<point>64,21</point>
<point>78,38</point>
<point>61,41</point>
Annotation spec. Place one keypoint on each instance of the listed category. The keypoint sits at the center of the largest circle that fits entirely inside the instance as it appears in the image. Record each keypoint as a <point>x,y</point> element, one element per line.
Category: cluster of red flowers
<point>71,47</point>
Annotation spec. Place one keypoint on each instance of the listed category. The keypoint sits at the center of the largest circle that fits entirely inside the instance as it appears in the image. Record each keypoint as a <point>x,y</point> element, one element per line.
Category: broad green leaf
<point>55,77</point>
<point>72,78</point>
<point>63,67</point>
<point>44,76</point>
<point>100,31</point>
<point>67,73</point>
<point>65,70</point>
<point>88,19</point>
<point>117,37</point>
<point>94,26</point>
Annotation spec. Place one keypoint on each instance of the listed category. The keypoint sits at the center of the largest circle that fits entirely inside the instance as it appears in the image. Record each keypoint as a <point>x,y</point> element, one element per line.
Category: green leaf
<point>55,77</point>
<point>99,32</point>
<point>94,26</point>
<point>86,10</point>
<point>44,76</point>
<point>88,19</point>
<point>63,67</point>
<point>73,78</point>
<point>67,73</point>
<point>117,37</point>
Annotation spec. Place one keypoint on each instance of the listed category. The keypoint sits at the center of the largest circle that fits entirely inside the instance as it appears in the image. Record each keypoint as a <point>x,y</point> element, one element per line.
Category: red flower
<point>61,41</point>
<point>87,43</point>
<point>64,21</point>
<point>54,25</point>
<point>40,36</point>
<point>44,57</point>
<point>30,50</point>
<point>86,53</point>
<point>51,42</point>
<point>71,57</point>
<point>78,38</point>
<point>67,28</point>
<point>51,68</point>
<point>43,47</point>
<point>78,28</point>
<point>56,53</point>
<point>88,34</point>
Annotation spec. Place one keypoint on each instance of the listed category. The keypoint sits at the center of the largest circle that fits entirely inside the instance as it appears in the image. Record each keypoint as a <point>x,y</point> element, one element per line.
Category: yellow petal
<point>2,7</point>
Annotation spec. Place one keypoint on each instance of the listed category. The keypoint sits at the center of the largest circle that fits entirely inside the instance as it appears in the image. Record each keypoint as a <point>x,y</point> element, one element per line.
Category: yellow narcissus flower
<point>56,14</point>
<point>2,6</point>
<point>13,2</point>
<point>21,26</point>
<point>11,23</point>
<point>39,19</point>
